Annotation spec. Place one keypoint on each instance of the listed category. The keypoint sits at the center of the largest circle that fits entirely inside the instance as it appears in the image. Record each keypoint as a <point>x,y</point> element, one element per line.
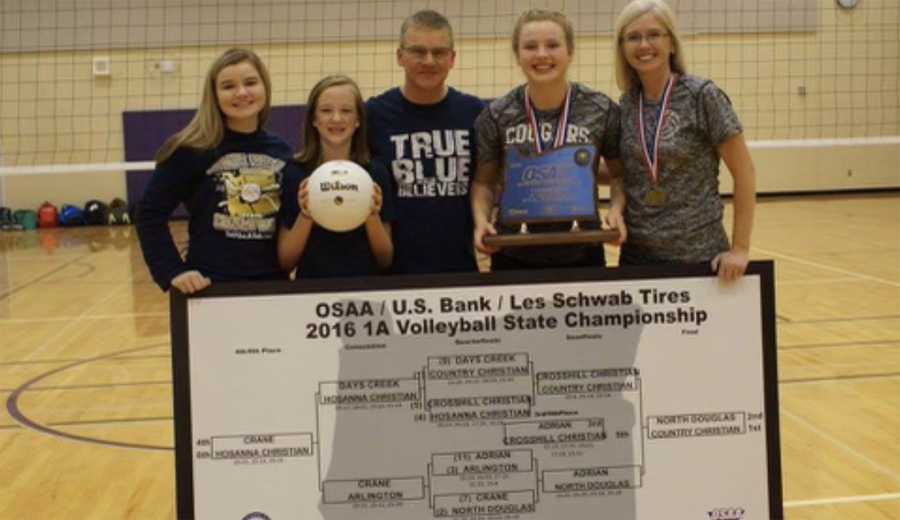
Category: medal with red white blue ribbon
<point>656,196</point>
<point>559,138</point>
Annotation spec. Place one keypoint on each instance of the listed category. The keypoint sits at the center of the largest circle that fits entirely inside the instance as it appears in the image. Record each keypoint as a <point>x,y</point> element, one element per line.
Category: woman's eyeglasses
<point>652,37</point>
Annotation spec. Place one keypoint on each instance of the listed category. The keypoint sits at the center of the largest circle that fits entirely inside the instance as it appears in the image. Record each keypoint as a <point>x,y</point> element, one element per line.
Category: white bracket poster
<point>580,394</point>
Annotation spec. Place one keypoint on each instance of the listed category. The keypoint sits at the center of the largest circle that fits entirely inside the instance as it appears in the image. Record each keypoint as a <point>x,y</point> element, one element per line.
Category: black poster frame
<point>184,451</point>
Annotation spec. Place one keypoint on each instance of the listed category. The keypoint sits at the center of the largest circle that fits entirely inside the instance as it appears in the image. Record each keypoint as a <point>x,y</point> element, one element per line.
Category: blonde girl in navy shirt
<point>226,170</point>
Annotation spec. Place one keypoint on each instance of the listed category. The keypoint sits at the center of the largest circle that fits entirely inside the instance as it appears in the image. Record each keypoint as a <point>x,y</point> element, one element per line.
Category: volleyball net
<point>800,73</point>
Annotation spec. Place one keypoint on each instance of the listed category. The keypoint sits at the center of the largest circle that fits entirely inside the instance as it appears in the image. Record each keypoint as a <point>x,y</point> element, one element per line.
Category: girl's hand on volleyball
<point>377,200</point>
<point>190,282</point>
<point>731,265</point>
<point>303,198</point>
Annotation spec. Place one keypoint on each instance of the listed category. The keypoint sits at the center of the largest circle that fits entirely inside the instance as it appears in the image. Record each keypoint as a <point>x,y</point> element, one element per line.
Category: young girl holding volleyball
<point>335,129</point>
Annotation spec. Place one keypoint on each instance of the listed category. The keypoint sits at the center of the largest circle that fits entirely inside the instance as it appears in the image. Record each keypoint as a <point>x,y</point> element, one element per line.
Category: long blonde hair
<point>207,128</point>
<point>626,77</point>
<point>311,155</point>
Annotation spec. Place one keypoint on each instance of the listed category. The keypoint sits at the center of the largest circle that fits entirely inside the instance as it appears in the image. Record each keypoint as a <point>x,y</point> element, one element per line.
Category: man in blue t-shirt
<point>423,132</point>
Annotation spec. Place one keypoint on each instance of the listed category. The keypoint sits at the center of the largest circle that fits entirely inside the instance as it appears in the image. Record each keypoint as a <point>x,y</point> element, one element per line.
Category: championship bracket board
<point>644,393</point>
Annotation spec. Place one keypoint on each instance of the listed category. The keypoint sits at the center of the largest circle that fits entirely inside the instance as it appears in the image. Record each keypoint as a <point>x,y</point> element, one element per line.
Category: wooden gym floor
<point>85,366</point>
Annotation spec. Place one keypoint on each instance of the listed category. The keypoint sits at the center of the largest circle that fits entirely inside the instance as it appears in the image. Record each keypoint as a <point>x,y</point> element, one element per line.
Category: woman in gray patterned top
<point>675,127</point>
<point>547,112</point>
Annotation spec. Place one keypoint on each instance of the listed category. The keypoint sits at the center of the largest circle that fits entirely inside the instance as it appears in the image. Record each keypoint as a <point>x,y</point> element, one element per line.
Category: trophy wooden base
<point>551,239</point>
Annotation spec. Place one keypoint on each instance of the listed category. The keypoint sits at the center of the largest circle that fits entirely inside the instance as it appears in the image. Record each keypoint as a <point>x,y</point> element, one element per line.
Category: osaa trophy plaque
<point>554,187</point>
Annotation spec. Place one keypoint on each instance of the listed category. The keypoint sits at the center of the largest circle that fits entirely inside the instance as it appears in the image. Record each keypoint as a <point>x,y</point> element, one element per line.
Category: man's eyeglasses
<point>652,37</point>
<point>421,53</point>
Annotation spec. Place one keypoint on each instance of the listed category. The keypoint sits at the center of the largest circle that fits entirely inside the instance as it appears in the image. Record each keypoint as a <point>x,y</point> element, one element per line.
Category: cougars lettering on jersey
<point>450,153</point>
<point>522,133</point>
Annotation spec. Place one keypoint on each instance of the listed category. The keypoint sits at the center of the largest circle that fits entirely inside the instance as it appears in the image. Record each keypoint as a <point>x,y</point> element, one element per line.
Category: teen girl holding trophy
<point>525,127</point>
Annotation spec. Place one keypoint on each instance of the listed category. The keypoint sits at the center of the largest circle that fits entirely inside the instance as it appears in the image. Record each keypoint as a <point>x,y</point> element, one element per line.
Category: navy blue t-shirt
<point>232,195</point>
<point>329,253</point>
<point>429,151</point>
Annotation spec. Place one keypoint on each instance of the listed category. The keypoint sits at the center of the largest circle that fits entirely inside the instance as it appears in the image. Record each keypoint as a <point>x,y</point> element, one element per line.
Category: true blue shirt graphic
<point>429,152</point>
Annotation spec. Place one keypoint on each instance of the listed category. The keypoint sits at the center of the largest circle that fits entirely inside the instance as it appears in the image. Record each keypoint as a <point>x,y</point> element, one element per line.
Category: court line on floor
<point>12,407</point>
<point>830,379</point>
<point>148,356</point>
<point>58,361</point>
<point>842,344</point>
<point>65,283</point>
<point>106,422</point>
<point>89,387</point>
<point>827,267</point>
<point>41,277</point>
<point>843,279</point>
<point>124,315</point>
<point>87,267</point>
<point>842,500</point>
<point>124,420</point>
<point>840,444</point>
<point>61,331</point>
<point>842,320</point>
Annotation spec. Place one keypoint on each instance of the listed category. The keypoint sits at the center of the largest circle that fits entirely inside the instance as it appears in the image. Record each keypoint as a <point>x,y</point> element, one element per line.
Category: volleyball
<point>340,195</point>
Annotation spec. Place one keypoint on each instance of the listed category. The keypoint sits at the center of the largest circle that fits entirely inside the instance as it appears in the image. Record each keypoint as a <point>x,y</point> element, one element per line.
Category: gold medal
<point>655,197</point>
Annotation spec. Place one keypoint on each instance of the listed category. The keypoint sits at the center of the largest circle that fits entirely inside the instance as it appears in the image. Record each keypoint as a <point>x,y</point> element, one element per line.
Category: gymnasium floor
<point>85,366</point>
